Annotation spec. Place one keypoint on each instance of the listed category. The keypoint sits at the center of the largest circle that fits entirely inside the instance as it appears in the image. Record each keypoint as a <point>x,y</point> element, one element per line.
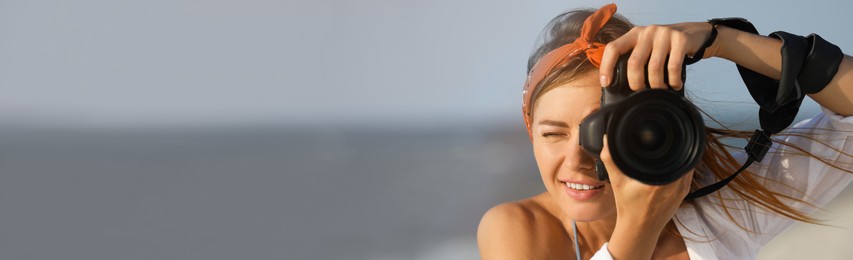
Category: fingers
<point>605,153</point>
<point>675,61</point>
<point>650,48</point>
<point>657,63</point>
<point>612,51</point>
<point>683,184</point>
<point>687,179</point>
<point>638,59</point>
<point>616,176</point>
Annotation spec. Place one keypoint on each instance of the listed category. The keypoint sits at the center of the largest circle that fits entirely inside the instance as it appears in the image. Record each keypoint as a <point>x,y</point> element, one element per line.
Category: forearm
<point>762,54</point>
<point>838,95</point>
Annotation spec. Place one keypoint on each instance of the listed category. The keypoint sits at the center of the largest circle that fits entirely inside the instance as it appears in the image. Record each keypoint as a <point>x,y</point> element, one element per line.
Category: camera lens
<point>656,136</point>
<point>649,129</point>
<point>651,135</point>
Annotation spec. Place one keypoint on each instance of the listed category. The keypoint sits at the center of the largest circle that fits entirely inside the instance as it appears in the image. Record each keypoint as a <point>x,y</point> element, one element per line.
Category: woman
<point>625,219</point>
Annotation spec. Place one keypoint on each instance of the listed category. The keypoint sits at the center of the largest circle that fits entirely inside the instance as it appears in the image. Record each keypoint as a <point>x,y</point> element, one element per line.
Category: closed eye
<point>552,134</point>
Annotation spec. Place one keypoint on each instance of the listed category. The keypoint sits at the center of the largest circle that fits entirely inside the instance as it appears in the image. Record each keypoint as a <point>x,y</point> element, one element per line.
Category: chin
<point>589,210</point>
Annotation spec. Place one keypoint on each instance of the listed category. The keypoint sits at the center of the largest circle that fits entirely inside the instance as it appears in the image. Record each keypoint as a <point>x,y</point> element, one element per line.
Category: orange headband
<point>584,43</point>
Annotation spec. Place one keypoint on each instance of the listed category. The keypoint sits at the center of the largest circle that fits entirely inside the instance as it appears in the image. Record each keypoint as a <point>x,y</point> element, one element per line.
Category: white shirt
<point>709,232</point>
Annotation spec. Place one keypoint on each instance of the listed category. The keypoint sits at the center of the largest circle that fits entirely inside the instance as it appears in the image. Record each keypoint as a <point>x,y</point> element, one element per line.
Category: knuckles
<point>678,37</point>
<point>655,64</point>
<point>658,36</point>
<point>635,61</point>
<point>605,156</point>
<point>637,29</point>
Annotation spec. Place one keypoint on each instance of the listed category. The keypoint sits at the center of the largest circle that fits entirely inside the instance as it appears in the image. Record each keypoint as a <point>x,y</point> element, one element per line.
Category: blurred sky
<point>105,63</point>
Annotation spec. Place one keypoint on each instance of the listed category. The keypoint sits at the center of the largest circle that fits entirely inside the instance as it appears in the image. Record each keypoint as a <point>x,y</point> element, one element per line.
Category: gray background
<point>302,129</point>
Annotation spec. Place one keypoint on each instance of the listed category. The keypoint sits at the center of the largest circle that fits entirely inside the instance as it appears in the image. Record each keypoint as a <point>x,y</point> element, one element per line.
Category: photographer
<point>596,209</point>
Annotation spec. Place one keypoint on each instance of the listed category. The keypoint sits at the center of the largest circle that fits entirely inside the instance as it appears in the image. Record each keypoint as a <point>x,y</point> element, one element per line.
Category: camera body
<point>655,136</point>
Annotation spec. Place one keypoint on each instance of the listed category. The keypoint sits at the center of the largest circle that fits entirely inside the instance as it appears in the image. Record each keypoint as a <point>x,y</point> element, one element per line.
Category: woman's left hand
<point>651,45</point>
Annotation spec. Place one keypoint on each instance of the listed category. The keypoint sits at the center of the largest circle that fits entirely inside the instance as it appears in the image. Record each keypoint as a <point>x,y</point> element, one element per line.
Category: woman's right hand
<point>650,46</point>
<point>642,210</point>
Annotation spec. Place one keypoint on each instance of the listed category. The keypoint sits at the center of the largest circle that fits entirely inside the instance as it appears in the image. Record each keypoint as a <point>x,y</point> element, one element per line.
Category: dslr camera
<point>655,136</point>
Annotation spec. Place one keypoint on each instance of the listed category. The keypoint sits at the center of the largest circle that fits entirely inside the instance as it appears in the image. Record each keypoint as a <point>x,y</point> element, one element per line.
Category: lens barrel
<point>655,135</point>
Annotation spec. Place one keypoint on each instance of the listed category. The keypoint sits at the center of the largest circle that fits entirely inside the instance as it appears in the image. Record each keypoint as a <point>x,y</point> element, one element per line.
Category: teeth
<point>578,186</point>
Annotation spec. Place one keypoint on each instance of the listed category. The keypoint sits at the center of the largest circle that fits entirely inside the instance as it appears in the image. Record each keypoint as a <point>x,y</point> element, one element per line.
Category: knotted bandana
<point>583,44</point>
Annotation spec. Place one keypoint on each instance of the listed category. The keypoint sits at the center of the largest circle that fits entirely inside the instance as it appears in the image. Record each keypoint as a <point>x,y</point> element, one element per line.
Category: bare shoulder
<point>523,229</point>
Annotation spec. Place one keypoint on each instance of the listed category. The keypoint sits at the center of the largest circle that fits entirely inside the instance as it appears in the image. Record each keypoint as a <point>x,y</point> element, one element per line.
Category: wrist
<point>633,239</point>
<point>725,37</point>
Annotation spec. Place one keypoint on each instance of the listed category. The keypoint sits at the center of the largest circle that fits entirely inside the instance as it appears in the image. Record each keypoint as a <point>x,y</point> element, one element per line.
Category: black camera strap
<point>756,149</point>
<point>808,64</point>
<point>758,86</point>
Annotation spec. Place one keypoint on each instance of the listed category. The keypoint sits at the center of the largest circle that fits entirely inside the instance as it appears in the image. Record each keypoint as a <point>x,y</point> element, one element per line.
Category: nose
<point>576,158</point>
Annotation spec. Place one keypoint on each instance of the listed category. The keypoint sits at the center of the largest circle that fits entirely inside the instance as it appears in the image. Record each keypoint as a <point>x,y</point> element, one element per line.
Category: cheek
<point>548,160</point>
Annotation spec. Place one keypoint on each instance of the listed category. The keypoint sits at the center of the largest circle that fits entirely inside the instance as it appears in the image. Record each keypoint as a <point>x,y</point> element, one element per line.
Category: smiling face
<point>567,171</point>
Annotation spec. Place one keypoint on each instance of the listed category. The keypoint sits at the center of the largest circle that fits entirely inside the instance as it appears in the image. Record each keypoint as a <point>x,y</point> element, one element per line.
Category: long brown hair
<point>716,159</point>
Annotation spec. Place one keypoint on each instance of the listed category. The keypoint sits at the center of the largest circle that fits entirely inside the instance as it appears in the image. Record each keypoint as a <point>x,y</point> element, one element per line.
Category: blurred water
<point>254,193</point>
<point>261,193</point>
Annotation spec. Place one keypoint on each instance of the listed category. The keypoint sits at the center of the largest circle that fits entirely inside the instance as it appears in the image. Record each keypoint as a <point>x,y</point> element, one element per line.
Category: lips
<point>582,191</point>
